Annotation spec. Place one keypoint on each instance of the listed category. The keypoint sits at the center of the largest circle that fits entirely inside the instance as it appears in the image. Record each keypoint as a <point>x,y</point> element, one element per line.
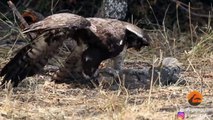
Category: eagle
<point>96,39</point>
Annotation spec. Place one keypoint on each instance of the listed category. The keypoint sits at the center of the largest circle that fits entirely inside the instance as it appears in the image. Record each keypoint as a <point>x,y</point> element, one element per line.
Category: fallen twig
<point>21,19</point>
<point>16,12</point>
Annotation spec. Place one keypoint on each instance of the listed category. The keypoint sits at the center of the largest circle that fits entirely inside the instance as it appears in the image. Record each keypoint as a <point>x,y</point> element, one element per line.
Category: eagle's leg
<point>118,62</point>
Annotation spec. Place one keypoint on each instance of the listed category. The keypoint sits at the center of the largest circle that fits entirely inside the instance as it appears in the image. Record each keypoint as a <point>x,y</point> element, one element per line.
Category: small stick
<point>14,9</point>
<point>21,19</point>
<point>184,7</point>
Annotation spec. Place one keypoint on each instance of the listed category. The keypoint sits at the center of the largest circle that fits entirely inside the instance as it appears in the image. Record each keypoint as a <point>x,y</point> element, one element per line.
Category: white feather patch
<point>121,42</point>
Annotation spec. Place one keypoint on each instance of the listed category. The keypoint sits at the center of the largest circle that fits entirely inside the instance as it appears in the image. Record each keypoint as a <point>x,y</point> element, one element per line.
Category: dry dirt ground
<point>38,98</point>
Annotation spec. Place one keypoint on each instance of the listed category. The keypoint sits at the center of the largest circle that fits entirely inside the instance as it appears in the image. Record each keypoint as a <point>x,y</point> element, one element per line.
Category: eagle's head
<point>136,37</point>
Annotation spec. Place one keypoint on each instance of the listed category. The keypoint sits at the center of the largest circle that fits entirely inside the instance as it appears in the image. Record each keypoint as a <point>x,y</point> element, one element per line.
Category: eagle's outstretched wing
<point>33,57</point>
<point>60,20</point>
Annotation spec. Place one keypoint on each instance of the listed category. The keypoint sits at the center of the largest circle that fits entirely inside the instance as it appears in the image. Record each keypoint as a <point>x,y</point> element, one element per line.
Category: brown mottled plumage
<point>97,39</point>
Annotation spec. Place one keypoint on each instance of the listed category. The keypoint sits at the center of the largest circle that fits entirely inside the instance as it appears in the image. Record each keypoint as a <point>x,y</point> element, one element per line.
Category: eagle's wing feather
<point>60,20</point>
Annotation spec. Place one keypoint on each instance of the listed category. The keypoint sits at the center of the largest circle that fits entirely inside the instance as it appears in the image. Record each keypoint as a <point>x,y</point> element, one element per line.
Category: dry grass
<point>39,100</point>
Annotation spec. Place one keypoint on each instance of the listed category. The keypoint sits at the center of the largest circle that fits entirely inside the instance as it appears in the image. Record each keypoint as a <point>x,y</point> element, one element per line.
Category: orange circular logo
<point>195,98</point>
